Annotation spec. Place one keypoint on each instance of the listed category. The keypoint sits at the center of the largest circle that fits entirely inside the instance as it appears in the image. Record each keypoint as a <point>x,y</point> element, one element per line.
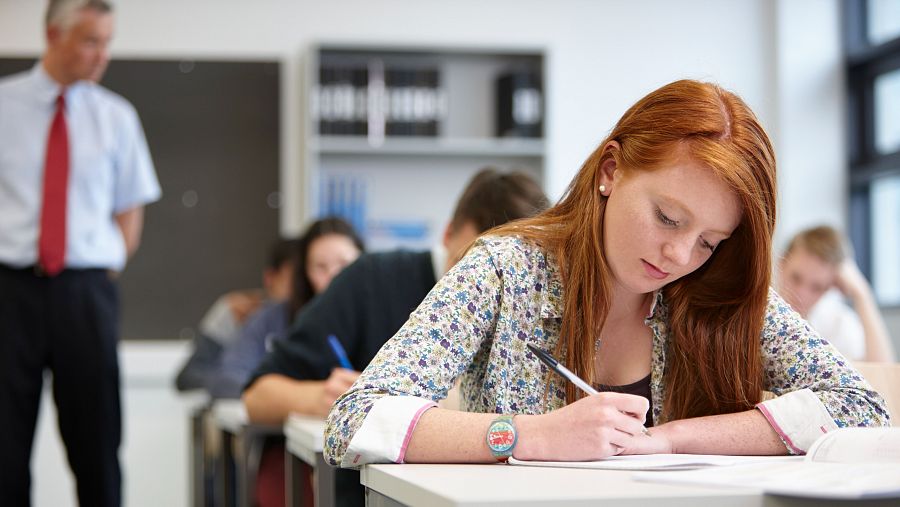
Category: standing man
<point>75,173</point>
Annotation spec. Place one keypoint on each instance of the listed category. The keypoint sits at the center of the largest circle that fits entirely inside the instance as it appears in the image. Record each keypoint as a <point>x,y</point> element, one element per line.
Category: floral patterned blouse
<point>506,293</point>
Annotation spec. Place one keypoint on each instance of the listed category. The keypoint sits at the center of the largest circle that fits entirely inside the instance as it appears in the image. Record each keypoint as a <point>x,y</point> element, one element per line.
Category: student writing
<point>653,270</point>
<point>367,304</point>
<point>328,246</point>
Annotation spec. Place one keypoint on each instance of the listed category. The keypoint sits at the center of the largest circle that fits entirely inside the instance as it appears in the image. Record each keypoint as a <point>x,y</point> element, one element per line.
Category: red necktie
<point>52,242</point>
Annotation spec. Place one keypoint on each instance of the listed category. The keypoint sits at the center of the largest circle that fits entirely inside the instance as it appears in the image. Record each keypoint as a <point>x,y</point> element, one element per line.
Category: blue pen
<point>339,352</point>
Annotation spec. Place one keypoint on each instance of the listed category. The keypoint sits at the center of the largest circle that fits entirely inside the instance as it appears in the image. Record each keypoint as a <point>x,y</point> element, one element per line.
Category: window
<point>883,21</point>
<point>872,44</point>
<point>885,206</point>
<point>887,112</point>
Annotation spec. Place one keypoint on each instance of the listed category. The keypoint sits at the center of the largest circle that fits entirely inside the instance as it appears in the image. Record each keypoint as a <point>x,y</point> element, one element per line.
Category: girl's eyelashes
<point>664,219</point>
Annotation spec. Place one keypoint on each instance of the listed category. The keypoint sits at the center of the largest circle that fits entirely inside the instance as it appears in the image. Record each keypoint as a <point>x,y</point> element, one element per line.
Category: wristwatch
<point>502,437</point>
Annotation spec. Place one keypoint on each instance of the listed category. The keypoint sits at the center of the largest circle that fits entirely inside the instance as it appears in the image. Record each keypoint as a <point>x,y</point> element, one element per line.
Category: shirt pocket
<point>92,168</point>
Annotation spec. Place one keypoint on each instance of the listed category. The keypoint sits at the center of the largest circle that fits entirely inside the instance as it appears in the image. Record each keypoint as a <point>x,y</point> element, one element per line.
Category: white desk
<point>303,441</point>
<point>229,415</point>
<point>495,485</point>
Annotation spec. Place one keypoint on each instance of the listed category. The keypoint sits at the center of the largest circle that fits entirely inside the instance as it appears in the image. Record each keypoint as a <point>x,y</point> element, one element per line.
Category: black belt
<point>35,269</point>
<point>39,271</point>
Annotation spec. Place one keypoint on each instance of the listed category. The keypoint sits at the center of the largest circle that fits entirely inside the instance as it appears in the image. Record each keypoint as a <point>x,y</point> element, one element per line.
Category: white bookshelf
<point>409,184</point>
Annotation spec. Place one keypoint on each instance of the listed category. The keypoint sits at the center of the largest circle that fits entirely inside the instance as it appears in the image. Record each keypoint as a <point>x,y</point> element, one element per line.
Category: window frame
<point>864,62</point>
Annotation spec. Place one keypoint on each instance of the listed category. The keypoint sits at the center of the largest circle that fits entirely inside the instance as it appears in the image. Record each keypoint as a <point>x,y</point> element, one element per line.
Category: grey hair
<point>61,13</point>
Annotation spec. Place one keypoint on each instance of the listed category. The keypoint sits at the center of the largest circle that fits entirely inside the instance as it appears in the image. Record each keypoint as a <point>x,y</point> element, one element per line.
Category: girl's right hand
<point>592,428</point>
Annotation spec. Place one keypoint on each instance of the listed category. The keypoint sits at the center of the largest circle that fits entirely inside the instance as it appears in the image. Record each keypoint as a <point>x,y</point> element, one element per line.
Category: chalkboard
<point>213,131</point>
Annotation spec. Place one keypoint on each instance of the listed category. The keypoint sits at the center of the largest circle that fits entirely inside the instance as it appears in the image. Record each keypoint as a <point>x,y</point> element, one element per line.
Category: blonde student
<point>815,273</point>
<point>651,276</point>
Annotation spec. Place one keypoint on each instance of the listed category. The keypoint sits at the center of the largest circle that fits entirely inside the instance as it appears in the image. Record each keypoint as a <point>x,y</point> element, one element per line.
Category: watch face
<point>502,436</point>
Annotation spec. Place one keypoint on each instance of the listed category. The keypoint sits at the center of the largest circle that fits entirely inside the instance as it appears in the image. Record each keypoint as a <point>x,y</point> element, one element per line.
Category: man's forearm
<point>131,223</point>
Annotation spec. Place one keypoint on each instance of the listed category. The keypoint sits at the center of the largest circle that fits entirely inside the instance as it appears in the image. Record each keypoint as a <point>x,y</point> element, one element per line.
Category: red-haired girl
<point>649,279</point>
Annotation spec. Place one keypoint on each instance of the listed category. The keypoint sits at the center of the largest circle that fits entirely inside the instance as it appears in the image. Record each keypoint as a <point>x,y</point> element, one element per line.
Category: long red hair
<point>713,362</point>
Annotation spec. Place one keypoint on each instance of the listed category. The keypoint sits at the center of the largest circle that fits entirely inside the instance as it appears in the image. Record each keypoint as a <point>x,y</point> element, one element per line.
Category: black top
<point>365,305</point>
<point>639,388</point>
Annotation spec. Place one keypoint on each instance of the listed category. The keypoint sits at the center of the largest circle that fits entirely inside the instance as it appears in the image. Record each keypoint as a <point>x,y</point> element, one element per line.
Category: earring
<point>603,189</point>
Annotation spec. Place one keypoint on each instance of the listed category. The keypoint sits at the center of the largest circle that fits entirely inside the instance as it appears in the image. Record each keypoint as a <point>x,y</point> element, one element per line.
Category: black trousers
<point>67,324</point>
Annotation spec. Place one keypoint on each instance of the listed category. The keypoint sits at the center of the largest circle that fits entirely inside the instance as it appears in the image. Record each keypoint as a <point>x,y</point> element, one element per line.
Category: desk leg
<point>324,482</point>
<point>198,458</point>
<point>376,499</point>
<point>251,445</point>
<point>226,471</point>
<point>294,480</point>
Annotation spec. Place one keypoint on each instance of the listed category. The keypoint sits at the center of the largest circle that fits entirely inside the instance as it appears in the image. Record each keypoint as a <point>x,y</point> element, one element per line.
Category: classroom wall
<point>809,137</point>
<point>603,54</point>
<point>783,58</point>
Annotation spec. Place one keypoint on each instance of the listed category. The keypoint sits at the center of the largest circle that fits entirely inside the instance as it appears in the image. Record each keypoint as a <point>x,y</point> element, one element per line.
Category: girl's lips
<point>654,271</point>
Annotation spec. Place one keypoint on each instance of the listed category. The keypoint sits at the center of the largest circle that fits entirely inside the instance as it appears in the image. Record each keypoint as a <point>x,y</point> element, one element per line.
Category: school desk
<point>521,486</point>
<point>303,443</point>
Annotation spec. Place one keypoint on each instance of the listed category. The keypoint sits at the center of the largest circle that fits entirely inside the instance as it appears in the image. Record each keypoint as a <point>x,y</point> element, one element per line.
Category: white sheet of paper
<point>658,462</point>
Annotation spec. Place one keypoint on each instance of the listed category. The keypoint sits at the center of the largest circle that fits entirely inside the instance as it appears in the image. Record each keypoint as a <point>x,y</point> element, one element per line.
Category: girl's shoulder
<point>523,263</point>
<point>514,251</point>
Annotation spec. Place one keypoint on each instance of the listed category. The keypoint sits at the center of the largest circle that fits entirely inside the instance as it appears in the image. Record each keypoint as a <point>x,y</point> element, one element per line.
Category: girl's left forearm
<point>743,433</point>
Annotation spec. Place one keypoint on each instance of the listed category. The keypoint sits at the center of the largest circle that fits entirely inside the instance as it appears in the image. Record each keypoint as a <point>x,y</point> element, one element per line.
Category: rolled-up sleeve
<point>816,387</point>
<point>374,420</point>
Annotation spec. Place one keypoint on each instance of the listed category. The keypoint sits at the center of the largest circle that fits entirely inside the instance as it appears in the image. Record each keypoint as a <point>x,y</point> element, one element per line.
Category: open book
<point>848,463</point>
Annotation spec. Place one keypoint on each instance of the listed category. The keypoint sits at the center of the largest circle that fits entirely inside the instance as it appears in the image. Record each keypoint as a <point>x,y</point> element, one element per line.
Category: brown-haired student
<point>367,303</point>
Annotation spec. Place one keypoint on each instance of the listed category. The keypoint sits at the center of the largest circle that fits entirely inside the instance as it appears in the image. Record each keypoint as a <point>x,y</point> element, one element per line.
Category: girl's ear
<point>608,167</point>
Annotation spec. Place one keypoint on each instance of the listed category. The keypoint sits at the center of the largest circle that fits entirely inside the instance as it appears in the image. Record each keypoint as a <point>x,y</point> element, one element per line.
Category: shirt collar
<point>657,301</point>
<point>46,89</point>
<point>438,260</point>
<point>552,305</point>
